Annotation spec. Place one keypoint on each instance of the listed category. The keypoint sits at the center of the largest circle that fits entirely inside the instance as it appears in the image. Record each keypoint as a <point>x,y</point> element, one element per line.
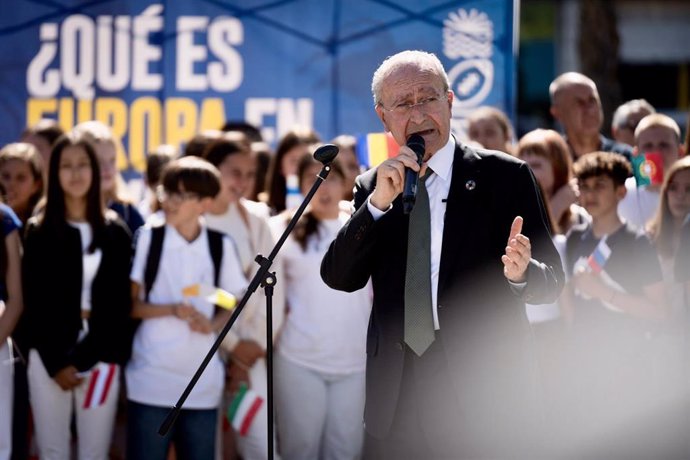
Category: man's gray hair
<point>620,116</point>
<point>425,62</point>
<point>566,79</point>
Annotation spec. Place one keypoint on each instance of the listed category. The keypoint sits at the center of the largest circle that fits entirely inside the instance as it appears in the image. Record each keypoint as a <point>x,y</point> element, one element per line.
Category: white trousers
<point>319,415</point>
<point>6,399</point>
<point>53,408</point>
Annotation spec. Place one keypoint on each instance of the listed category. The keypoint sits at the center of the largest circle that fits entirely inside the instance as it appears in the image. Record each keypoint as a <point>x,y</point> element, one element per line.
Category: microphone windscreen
<point>326,153</point>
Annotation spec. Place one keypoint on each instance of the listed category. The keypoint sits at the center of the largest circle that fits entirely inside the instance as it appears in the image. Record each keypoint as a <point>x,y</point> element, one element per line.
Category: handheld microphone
<point>409,195</point>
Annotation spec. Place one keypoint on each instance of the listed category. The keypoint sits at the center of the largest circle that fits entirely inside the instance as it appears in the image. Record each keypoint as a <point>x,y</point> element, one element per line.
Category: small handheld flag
<point>214,295</point>
<point>648,168</point>
<point>100,382</point>
<point>243,409</point>
<point>597,260</point>
<point>375,148</point>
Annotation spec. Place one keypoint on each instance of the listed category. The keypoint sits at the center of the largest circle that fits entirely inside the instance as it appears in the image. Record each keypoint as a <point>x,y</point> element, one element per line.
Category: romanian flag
<point>243,409</point>
<point>598,258</point>
<point>648,168</point>
<point>214,295</point>
<point>100,382</point>
<point>375,148</point>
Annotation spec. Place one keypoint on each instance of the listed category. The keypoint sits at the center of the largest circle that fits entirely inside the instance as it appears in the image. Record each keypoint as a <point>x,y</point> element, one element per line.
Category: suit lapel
<point>462,205</point>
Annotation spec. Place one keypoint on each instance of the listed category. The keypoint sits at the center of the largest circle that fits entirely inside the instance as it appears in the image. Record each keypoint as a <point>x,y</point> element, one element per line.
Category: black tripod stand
<point>324,154</point>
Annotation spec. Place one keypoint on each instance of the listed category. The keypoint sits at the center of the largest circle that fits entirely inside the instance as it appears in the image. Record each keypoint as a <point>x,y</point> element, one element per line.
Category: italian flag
<point>100,382</point>
<point>243,409</point>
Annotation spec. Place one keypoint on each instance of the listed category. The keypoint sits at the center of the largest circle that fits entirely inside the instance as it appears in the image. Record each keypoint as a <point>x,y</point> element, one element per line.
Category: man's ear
<point>621,191</point>
<point>553,110</point>
<point>382,116</point>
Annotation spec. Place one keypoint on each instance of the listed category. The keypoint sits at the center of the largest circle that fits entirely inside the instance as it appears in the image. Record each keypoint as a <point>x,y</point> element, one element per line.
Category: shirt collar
<point>442,161</point>
<point>176,241</point>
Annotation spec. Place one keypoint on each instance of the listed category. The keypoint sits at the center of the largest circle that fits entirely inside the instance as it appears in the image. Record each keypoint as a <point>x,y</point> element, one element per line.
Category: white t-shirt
<point>166,352</point>
<point>90,262</point>
<point>639,204</point>
<point>325,329</point>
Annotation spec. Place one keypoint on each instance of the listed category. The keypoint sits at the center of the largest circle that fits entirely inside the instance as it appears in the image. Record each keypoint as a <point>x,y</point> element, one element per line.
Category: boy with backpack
<point>178,329</point>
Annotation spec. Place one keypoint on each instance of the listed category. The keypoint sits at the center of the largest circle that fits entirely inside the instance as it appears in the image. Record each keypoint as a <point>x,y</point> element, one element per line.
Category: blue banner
<point>160,71</point>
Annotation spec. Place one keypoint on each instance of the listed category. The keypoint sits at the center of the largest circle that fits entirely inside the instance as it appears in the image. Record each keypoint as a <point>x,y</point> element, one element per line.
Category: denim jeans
<point>193,434</point>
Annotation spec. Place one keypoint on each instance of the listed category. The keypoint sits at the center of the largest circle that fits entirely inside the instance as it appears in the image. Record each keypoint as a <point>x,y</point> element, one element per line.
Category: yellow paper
<point>223,299</point>
<point>214,295</point>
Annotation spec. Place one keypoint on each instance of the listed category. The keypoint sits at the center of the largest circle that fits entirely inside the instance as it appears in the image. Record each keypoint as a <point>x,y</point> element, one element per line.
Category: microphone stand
<point>324,154</point>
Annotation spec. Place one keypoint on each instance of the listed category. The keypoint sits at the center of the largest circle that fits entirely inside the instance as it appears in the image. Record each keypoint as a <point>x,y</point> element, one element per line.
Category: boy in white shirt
<point>177,331</point>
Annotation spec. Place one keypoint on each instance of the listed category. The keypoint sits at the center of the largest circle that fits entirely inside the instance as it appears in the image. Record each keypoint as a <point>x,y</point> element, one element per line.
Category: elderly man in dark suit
<point>450,370</point>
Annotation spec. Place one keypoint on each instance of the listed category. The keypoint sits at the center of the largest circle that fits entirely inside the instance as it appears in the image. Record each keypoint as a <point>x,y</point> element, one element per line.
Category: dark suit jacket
<point>484,332</point>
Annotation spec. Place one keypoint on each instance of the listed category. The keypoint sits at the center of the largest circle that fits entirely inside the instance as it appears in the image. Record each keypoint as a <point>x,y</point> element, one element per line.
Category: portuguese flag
<point>648,168</point>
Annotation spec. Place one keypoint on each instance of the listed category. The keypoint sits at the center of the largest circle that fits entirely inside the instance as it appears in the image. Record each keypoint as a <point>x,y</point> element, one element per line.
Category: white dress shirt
<point>438,186</point>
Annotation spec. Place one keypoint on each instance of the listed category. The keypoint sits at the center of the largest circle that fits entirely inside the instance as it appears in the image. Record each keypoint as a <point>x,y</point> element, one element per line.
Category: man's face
<point>626,133</point>
<point>415,102</point>
<point>578,108</point>
<point>599,195</point>
<point>659,139</point>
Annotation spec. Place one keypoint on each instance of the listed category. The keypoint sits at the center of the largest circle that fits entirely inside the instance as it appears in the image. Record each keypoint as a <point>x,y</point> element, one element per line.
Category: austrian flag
<point>100,383</point>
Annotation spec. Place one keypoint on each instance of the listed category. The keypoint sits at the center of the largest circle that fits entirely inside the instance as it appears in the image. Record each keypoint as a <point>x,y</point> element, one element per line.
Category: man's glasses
<point>427,104</point>
<point>174,197</point>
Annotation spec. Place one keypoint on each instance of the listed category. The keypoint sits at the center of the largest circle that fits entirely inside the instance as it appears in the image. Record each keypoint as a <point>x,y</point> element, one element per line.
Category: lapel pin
<point>470,185</point>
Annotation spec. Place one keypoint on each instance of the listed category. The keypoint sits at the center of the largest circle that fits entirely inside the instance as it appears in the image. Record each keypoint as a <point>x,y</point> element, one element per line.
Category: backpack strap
<point>215,246</point>
<point>153,259</point>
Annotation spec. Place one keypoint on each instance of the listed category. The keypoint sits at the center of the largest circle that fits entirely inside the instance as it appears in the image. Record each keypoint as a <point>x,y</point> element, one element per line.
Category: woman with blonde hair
<point>664,229</point>
<point>547,154</point>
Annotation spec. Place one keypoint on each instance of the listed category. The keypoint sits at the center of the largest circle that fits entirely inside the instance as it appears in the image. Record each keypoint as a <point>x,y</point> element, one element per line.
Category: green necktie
<point>419,322</point>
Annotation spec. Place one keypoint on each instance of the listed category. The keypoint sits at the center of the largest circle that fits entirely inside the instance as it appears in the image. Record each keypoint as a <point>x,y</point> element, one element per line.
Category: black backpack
<point>215,245</point>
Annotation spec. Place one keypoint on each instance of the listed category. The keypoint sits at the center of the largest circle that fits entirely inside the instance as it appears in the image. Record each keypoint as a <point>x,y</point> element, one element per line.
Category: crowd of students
<point>111,291</point>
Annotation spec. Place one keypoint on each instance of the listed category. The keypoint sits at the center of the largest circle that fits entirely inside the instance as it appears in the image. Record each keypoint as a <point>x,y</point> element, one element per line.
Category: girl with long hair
<point>283,168</point>
<point>665,227</point>
<point>76,292</point>
<point>547,154</point>
<point>321,354</point>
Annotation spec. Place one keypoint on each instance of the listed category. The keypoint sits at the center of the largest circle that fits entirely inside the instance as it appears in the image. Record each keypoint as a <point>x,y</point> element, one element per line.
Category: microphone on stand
<point>416,143</point>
